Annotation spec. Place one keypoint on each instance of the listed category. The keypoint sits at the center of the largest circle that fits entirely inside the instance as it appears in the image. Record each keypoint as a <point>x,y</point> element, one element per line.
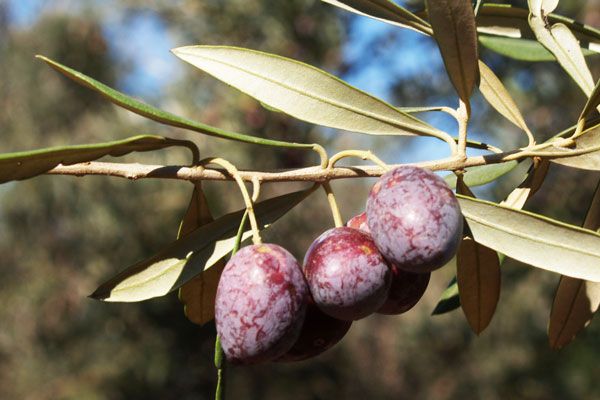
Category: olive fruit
<point>407,287</point>
<point>414,219</point>
<point>260,304</point>
<point>346,274</point>
<point>319,333</point>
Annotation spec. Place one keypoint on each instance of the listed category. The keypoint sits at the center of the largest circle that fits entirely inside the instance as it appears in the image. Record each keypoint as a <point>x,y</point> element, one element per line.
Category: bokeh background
<point>62,236</point>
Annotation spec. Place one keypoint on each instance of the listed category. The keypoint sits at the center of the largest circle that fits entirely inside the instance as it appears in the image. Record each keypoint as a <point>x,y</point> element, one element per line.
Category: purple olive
<point>346,274</point>
<point>414,219</point>
<point>407,287</point>
<point>260,304</point>
<point>406,291</point>
<point>319,333</point>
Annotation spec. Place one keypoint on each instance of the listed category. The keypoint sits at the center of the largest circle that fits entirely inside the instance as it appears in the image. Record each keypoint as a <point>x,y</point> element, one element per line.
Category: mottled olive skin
<point>406,291</point>
<point>346,274</point>
<point>359,222</point>
<point>260,304</point>
<point>414,219</point>
<point>407,287</point>
<point>319,333</point>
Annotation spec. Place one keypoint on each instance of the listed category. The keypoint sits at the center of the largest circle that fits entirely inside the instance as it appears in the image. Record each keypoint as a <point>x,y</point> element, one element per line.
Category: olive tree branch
<point>307,174</point>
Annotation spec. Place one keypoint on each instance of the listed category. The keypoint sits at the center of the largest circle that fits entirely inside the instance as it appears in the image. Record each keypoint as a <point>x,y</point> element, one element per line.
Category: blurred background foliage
<point>62,236</point>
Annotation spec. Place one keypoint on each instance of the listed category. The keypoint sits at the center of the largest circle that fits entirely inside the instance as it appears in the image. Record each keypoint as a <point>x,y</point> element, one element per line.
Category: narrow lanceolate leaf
<point>192,254</point>
<point>478,276</point>
<point>534,239</point>
<point>542,7</point>
<point>502,20</point>
<point>519,49</point>
<point>449,300</point>
<point>532,183</point>
<point>384,10</point>
<point>454,29</point>
<point>155,114</point>
<point>27,164</point>
<point>561,42</point>
<point>496,94</point>
<point>575,303</point>
<point>590,139</point>
<point>483,174</point>
<point>592,103</point>
<point>198,295</point>
<point>576,300</point>
<point>303,91</point>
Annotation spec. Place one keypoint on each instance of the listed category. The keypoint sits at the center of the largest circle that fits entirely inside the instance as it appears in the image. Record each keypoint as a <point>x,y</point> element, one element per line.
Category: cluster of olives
<point>268,308</point>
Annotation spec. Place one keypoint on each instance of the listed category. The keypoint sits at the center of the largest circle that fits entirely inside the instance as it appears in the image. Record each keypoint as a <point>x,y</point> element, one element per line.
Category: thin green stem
<point>463,112</point>
<point>365,155</point>
<point>335,211</point>
<point>233,171</point>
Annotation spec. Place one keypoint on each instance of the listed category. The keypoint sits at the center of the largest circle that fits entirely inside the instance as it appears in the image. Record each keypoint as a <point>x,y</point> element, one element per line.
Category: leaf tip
<point>99,294</point>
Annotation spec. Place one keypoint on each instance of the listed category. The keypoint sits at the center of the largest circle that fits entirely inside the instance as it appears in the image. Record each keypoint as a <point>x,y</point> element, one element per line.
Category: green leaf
<point>478,276</point>
<point>158,115</point>
<point>454,29</point>
<point>303,91</point>
<point>192,254</point>
<point>592,102</point>
<point>449,300</point>
<point>534,239</point>
<point>576,301</point>
<point>386,11</point>
<point>512,22</point>
<point>590,161</point>
<point>480,175</point>
<point>561,42</point>
<point>519,49</point>
<point>27,164</point>
<point>496,94</point>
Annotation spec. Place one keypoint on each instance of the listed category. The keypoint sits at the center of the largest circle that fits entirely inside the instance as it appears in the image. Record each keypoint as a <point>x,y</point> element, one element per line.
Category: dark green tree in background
<point>62,236</point>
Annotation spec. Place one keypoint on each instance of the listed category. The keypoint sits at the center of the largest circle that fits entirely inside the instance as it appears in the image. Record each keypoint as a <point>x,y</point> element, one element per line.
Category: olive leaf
<point>450,298</point>
<point>505,21</point>
<point>532,183</point>
<point>384,10</point>
<point>542,7</point>
<point>483,174</point>
<point>454,29</point>
<point>27,164</point>
<point>519,49</point>
<point>303,91</point>
<point>155,114</point>
<point>576,300</point>
<point>561,42</point>
<point>496,94</point>
<point>478,277</point>
<point>534,239</point>
<point>592,103</point>
<point>589,139</point>
<point>191,254</point>
<point>198,295</point>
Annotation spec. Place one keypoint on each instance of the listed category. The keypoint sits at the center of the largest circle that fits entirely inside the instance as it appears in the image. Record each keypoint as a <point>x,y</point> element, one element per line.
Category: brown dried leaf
<point>535,178</point>
<point>198,295</point>
<point>478,276</point>
<point>576,300</point>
